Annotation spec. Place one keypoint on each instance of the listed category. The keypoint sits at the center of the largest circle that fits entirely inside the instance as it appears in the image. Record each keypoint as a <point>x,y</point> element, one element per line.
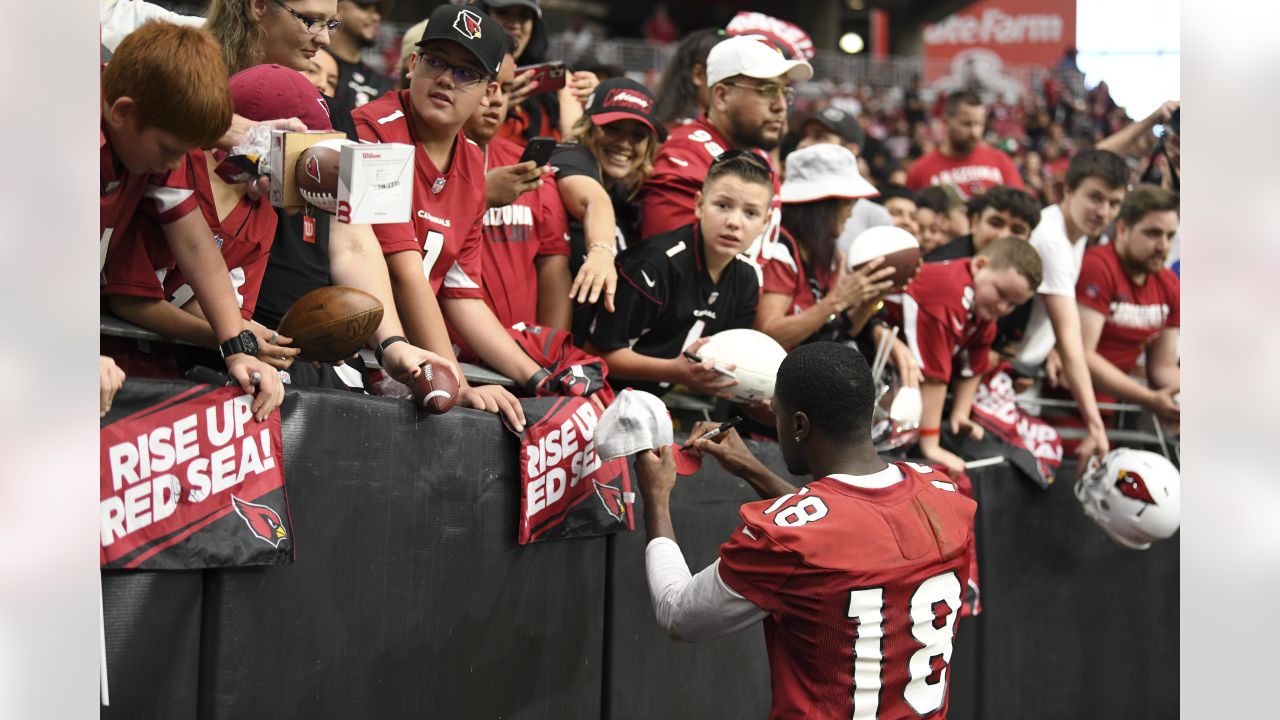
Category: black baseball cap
<point>473,30</point>
<point>621,99</point>
<point>841,123</point>
<point>531,4</point>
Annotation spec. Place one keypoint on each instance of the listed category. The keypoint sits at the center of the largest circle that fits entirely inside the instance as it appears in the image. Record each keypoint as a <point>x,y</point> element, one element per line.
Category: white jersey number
<point>866,607</point>
<point>431,248</point>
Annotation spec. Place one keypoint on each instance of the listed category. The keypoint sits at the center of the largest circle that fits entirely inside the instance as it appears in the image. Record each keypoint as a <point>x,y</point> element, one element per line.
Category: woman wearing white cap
<point>808,294</point>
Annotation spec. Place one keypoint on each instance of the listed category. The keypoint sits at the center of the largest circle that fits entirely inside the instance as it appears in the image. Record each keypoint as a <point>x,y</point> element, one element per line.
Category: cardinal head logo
<point>468,23</point>
<point>263,522</point>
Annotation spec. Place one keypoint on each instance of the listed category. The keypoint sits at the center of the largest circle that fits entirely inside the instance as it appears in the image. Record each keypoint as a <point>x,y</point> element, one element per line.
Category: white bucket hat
<point>821,172</point>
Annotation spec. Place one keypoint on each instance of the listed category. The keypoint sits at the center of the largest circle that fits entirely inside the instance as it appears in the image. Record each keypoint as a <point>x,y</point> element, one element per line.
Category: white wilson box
<point>375,183</point>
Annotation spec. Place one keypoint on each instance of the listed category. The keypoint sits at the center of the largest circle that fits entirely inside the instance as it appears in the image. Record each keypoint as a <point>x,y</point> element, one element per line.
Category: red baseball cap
<point>271,92</point>
<point>621,99</point>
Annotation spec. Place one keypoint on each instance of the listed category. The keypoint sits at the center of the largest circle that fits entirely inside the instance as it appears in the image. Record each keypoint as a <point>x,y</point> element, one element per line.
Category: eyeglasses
<point>770,90</point>
<point>313,24</point>
<point>747,155</point>
<point>463,76</point>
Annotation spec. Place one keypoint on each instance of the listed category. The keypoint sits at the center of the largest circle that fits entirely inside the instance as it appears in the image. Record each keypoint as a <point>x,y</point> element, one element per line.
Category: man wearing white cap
<point>750,81</point>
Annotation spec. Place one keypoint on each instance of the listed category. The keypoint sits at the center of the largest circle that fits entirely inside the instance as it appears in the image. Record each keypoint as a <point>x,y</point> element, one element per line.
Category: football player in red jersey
<point>435,259</point>
<point>163,94</point>
<point>858,575</point>
<point>1129,303</point>
<point>947,316</point>
<point>750,83</point>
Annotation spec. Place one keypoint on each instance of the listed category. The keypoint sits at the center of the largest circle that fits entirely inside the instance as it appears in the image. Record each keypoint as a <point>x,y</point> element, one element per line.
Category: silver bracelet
<point>602,246</point>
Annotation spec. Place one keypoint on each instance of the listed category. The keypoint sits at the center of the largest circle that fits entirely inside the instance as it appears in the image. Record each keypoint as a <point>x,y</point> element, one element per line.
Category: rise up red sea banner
<point>190,480</point>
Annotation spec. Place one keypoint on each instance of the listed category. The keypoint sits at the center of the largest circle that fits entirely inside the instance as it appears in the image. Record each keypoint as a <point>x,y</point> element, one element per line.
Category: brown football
<point>435,389</point>
<point>317,174</point>
<point>899,248</point>
<point>331,323</point>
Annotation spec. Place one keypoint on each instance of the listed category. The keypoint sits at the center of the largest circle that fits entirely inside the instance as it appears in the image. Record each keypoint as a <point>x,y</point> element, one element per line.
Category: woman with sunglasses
<point>599,175</point>
<point>808,293</point>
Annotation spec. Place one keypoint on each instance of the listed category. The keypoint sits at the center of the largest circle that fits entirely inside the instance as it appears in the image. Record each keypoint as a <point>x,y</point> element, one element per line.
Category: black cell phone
<point>539,150</point>
<point>549,76</point>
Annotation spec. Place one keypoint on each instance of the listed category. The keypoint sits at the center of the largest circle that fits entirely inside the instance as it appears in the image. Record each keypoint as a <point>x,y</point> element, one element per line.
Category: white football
<point>899,248</point>
<point>756,358</point>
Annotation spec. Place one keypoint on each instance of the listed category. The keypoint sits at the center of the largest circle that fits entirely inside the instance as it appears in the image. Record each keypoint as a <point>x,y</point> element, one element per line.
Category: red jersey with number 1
<point>447,207</point>
<point>863,583</point>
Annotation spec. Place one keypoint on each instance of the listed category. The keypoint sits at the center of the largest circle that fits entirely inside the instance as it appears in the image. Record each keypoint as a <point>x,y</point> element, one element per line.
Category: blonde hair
<point>1011,252</point>
<point>590,136</point>
<point>240,37</point>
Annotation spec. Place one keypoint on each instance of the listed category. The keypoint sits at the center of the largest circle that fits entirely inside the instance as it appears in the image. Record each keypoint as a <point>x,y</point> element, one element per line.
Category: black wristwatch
<point>377,352</point>
<point>246,342</point>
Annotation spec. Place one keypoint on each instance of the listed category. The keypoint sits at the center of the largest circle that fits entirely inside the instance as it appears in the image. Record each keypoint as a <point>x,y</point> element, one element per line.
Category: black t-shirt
<point>296,266</point>
<point>666,300</point>
<point>571,160</point>
<point>961,247</point>
<point>358,83</point>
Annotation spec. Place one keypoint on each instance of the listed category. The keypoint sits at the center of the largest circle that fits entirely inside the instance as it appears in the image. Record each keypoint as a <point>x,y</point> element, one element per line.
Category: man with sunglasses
<point>435,258</point>
<point>357,82</point>
<point>750,91</point>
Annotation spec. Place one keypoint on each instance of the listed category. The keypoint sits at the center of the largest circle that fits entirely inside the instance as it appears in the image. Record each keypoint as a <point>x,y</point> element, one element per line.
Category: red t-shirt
<point>140,263</point>
<point>863,586</point>
<point>974,174</point>
<point>168,196</point>
<point>447,207</point>
<point>514,236</point>
<point>679,169</point>
<point>1135,314</point>
<point>937,321</point>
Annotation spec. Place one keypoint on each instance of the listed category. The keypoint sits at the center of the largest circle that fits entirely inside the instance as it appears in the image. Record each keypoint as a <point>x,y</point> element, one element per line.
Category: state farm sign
<point>989,37</point>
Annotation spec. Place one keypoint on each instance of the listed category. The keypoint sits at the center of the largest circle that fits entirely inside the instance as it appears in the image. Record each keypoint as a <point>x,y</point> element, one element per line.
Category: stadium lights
<point>852,43</point>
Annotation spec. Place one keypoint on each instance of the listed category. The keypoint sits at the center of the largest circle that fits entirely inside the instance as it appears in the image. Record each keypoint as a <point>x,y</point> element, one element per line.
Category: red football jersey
<point>447,207</point>
<point>168,196</point>
<point>1135,313</point>
<point>785,274</point>
<point>514,236</point>
<point>140,264</point>
<point>937,323</point>
<point>679,169</point>
<point>863,585</point>
<point>974,174</point>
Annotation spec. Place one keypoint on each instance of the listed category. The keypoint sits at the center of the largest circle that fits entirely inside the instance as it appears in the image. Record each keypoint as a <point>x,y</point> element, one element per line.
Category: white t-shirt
<point>118,18</point>
<point>1062,258</point>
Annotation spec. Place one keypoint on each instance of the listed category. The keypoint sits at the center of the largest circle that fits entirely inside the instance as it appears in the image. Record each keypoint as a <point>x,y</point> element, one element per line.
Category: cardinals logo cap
<point>471,29</point>
<point>621,99</point>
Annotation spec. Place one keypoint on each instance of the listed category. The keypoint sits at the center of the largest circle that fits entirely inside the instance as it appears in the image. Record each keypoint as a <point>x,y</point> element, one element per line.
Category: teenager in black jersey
<point>681,287</point>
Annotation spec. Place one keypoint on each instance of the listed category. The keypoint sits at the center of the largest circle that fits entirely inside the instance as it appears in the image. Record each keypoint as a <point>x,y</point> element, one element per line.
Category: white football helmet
<point>896,417</point>
<point>1134,495</point>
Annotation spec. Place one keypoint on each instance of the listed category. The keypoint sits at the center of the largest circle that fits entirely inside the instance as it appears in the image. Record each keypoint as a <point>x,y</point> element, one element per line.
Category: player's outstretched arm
<point>733,455</point>
<point>656,475</point>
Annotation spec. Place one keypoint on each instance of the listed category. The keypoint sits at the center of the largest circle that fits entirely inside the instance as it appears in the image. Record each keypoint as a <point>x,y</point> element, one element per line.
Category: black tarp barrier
<point>410,598</point>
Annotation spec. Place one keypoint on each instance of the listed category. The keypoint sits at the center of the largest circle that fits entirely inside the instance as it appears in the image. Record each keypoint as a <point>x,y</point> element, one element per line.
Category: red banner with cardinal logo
<point>566,490</point>
<point>995,408</point>
<point>193,481</point>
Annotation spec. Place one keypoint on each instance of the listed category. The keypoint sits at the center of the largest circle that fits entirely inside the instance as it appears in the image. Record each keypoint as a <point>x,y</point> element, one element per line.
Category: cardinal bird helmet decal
<point>611,499</point>
<point>263,522</point>
<point>468,23</point>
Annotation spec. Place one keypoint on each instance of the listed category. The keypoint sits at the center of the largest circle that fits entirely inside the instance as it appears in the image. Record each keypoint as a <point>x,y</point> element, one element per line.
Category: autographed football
<point>317,174</point>
<point>899,248</point>
<point>331,323</point>
<point>755,357</point>
<point>435,389</point>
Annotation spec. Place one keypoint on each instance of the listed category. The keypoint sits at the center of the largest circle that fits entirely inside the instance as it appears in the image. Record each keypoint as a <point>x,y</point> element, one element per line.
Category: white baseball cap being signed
<point>753,56</point>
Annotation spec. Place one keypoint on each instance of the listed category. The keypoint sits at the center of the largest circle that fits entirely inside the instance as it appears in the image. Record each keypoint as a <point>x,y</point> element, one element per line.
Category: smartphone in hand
<point>549,76</point>
<point>538,150</point>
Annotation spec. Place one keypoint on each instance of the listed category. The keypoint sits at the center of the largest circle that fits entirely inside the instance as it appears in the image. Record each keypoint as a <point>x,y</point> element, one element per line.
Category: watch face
<point>249,343</point>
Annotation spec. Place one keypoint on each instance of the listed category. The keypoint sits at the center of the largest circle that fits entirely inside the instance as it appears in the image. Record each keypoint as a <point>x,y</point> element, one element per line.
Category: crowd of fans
<point>712,201</point>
